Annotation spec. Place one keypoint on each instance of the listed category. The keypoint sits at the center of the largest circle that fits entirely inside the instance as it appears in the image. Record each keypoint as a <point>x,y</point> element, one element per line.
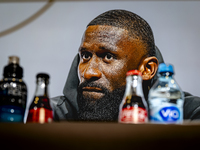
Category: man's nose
<point>92,72</point>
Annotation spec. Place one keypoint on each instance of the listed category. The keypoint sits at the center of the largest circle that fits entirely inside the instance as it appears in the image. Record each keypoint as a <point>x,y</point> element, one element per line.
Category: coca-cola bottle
<point>133,108</point>
<point>13,92</point>
<point>40,110</point>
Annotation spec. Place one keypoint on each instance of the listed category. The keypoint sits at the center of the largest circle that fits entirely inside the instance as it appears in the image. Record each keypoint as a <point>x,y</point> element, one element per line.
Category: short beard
<point>104,109</point>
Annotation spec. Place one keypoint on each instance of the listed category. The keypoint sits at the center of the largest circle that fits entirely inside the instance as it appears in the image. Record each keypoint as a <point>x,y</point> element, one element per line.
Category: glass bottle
<point>165,98</point>
<point>133,108</point>
<point>40,110</point>
<point>13,92</point>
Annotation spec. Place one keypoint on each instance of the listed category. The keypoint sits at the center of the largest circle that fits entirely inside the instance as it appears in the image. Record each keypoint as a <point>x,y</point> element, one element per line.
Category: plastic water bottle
<point>165,98</point>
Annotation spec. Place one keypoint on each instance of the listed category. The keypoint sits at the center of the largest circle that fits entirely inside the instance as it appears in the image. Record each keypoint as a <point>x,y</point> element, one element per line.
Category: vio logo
<point>170,113</point>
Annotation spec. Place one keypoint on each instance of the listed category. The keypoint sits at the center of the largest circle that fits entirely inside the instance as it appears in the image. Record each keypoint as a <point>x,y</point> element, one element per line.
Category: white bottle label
<point>166,113</point>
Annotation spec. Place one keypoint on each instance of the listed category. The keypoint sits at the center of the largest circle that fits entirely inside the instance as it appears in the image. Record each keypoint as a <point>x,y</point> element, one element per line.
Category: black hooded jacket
<point>65,107</point>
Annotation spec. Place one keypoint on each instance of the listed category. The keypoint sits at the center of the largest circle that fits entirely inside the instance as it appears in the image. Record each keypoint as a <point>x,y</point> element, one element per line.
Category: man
<point>114,42</point>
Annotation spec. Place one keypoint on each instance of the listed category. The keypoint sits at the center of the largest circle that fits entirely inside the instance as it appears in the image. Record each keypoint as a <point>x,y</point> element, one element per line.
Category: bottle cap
<point>133,72</point>
<point>42,75</point>
<point>165,68</point>
<point>13,59</point>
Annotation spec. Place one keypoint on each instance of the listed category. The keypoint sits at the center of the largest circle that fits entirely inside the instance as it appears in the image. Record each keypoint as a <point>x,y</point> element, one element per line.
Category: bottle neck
<point>166,75</point>
<point>42,87</point>
<point>134,85</point>
<point>13,71</point>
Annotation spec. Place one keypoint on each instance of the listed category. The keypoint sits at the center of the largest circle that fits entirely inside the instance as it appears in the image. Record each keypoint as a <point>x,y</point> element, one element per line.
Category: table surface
<point>91,135</point>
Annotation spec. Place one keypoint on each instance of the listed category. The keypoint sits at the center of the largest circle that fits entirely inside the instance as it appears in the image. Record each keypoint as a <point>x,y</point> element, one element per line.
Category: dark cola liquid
<point>13,95</point>
<point>133,111</point>
<point>40,110</point>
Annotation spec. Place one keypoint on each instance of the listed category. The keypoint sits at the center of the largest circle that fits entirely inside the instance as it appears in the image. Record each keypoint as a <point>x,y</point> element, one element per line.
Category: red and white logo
<point>133,115</point>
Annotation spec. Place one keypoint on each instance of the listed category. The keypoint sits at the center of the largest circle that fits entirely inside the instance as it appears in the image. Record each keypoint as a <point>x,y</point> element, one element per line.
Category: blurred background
<point>46,36</point>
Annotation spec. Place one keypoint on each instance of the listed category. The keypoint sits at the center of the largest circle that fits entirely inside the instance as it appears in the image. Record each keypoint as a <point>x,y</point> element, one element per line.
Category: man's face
<point>106,54</point>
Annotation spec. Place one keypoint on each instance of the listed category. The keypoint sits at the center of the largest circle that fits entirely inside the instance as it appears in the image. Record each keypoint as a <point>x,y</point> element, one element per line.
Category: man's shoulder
<point>191,107</point>
<point>63,110</point>
<point>57,100</point>
<point>59,108</point>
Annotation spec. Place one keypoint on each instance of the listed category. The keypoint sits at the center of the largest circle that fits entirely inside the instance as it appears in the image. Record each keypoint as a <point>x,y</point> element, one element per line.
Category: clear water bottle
<point>165,98</point>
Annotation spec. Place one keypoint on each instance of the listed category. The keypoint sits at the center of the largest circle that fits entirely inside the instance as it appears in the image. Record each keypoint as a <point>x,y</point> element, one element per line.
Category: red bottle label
<point>40,115</point>
<point>133,115</point>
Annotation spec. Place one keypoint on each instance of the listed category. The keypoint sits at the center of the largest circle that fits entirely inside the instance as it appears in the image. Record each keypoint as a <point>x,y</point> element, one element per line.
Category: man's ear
<point>148,67</point>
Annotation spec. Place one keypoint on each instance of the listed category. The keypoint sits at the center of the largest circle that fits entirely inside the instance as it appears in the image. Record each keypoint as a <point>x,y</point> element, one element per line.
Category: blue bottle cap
<point>165,68</point>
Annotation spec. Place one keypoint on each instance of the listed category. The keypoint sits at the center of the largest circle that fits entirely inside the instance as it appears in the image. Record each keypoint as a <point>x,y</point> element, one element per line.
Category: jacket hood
<point>70,88</point>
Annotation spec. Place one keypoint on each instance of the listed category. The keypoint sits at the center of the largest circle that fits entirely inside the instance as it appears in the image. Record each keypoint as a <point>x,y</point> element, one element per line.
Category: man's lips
<point>92,89</point>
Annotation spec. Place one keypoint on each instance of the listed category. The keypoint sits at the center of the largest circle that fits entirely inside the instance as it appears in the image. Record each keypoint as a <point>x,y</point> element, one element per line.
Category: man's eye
<point>86,55</point>
<point>108,57</point>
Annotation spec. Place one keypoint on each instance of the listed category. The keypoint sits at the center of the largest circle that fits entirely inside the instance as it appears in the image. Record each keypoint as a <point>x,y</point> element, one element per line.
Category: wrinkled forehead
<point>104,33</point>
